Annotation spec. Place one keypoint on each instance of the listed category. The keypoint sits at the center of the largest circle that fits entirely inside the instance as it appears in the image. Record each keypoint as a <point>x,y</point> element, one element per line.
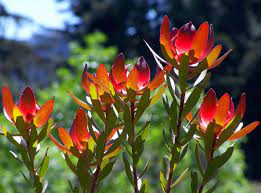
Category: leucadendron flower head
<point>27,108</point>
<point>120,81</point>
<point>223,118</point>
<point>79,139</point>
<point>138,78</point>
<point>196,43</point>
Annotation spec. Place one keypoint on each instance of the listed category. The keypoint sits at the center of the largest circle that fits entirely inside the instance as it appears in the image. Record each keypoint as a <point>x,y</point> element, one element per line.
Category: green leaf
<point>194,182</point>
<point>216,163</point>
<point>99,151</point>
<point>170,87</point>
<point>111,119</point>
<point>145,169</point>
<point>228,131</point>
<point>189,134</point>
<point>195,95</point>
<point>165,103</point>
<point>106,171</point>
<point>208,140</point>
<point>21,127</point>
<point>15,156</point>
<point>44,166</point>
<point>166,139</point>
<point>137,149</point>
<point>45,130</point>
<point>212,188</point>
<point>174,155</point>
<point>183,151</point>
<point>144,102</point>
<point>180,178</point>
<point>183,72</point>
<point>173,114</point>
<point>165,165</point>
<point>144,186</point>
<point>163,182</point>
<point>83,168</point>
<point>197,156</point>
<point>127,167</point>
<point>70,163</point>
<point>128,122</point>
<point>200,68</point>
<point>96,106</point>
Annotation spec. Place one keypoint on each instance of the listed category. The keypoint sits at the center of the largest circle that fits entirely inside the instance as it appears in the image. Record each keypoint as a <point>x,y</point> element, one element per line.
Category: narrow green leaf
<point>208,140</point>
<point>180,178</point>
<point>173,114</point>
<point>144,103</point>
<point>212,188</point>
<point>163,182</point>
<point>137,149</point>
<point>70,163</point>
<point>189,134</point>
<point>194,182</point>
<point>127,168</point>
<point>197,156</point>
<point>145,169</point>
<point>128,122</point>
<point>195,95</point>
<point>216,163</point>
<point>144,186</point>
<point>183,72</point>
<point>111,119</point>
<point>106,171</point>
<point>44,166</point>
<point>99,151</point>
<point>174,154</point>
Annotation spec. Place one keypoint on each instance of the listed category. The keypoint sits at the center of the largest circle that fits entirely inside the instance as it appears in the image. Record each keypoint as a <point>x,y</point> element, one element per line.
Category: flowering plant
<point>105,125</point>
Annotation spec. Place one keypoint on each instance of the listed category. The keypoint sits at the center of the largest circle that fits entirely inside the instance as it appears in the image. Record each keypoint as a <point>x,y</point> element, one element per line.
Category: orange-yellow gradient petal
<point>8,102</point>
<point>43,115</point>
<point>246,130</point>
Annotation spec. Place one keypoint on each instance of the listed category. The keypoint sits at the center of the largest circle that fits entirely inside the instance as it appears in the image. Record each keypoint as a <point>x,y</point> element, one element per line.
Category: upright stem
<point>211,157</point>
<point>181,106</point>
<point>135,178</point>
<point>94,183</point>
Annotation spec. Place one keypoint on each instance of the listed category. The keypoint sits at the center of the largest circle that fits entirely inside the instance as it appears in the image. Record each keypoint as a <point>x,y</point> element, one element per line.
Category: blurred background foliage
<point>52,62</point>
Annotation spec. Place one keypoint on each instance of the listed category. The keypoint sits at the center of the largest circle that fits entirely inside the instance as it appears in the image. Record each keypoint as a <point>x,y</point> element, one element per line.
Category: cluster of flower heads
<point>104,85</point>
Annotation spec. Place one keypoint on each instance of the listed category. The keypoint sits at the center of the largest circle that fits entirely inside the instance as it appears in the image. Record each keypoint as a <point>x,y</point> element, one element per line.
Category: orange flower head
<point>26,108</point>
<point>76,141</point>
<point>221,113</point>
<point>137,79</point>
<point>196,43</point>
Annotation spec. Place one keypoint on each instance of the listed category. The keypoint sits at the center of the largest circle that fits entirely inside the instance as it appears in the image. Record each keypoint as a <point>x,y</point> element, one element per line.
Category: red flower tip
<point>143,70</point>
<point>184,38</point>
<point>28,104</point>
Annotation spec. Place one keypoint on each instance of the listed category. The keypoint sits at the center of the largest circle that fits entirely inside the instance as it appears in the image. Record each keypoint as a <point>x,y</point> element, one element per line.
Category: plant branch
<point>181,106</point>
<point>134,167</point>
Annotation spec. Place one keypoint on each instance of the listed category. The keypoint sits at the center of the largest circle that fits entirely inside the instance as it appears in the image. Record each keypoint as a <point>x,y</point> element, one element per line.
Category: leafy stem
<point>134,167</point>
<point>176,142</point>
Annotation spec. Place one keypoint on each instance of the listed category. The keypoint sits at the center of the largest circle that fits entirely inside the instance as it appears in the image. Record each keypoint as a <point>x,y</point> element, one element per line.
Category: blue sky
<point>46,13</point>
